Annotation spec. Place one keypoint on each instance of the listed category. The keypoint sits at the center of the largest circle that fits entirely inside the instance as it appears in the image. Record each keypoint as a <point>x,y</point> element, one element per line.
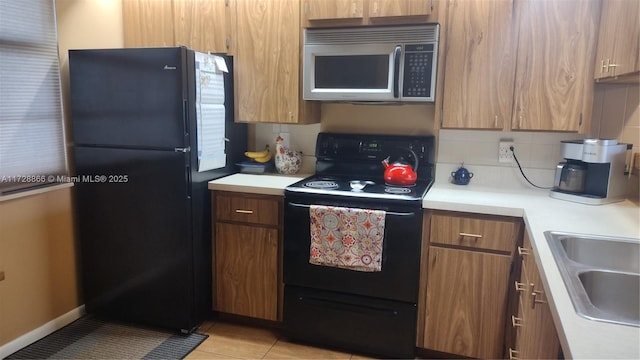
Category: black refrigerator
<point>143,210</point>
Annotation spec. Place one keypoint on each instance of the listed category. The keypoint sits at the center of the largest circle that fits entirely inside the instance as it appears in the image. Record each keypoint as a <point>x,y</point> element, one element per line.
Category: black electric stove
<point>371,312</point>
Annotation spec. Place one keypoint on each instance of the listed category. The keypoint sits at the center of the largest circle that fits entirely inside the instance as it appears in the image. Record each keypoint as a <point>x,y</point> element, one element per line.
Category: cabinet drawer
<point>476,232</point>
<point>248,209</point>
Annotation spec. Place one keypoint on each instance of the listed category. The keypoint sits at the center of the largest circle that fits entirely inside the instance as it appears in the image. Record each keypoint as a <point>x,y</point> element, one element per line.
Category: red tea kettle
<point>400,173</point>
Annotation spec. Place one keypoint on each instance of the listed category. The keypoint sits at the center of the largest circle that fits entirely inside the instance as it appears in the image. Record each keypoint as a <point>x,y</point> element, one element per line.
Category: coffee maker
<point>593,173</point>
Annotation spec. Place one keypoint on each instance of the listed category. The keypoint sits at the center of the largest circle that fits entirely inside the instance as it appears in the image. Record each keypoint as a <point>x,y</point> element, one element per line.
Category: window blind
<point>32,145</point>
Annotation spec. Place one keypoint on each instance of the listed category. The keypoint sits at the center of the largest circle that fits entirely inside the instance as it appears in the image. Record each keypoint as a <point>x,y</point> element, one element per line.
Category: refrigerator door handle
<point>183,150</point>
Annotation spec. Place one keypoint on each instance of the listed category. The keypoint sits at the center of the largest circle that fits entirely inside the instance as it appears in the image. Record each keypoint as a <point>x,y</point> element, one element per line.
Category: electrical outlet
<point>505,155</point>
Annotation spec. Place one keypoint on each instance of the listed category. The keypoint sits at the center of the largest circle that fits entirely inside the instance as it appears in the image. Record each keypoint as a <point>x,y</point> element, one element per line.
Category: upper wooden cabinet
<point>267,64</point>
<point>556,51</point>
<point>201,24</point>
<point>148,23</point>
<point>364,12</point>
<point>521,65</point>
<point>333,9</point>
<point>197,24</point>
<point>390,8</point>
<point>618,40</point>
<point>479,64</point>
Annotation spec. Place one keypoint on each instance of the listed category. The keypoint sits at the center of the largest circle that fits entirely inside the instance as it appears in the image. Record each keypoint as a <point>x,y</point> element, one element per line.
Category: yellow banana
<point>263,159</point>
<point>258,154</point>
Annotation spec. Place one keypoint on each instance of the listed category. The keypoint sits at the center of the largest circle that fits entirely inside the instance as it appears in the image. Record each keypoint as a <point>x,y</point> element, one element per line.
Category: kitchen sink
<point>602,275</point>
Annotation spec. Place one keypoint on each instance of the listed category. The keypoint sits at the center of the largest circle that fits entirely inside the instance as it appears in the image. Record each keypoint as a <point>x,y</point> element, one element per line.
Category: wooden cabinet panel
<point>267,69</point>
<point>246,274</point>
<point>198,24</point>
<point>554,67</point>
<point>530,68</point>
<point>333,9</point>
<point>389,8</point>
<point>147,23</point>
<point>329,13</point>
<point>466,302</point>
<point>618,39</point>
<point>250,209</point>
<point>482,232</point>
<point>479,65</point>
<point>536,336</point>
<point>201,25</point>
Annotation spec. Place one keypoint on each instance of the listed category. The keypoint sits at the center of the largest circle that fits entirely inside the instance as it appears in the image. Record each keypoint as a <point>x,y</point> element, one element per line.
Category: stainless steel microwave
<point>382,63</point>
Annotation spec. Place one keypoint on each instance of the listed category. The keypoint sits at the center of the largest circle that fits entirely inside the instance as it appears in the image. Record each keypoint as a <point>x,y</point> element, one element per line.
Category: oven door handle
<point>392,213</point>
<point>347,306</point>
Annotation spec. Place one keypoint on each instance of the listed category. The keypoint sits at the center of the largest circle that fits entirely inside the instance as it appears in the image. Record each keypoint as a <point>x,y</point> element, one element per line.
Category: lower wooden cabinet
<point>246,259</point>
<point>535,332</point>
<point>465,277</point>
<point>466,302</point>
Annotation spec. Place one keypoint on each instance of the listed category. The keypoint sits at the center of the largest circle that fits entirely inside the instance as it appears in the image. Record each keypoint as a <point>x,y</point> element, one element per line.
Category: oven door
<point>398,278</point>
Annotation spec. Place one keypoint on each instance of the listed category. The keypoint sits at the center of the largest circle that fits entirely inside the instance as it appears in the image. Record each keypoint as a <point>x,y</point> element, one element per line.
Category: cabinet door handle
<point>477,236</point>
<point>523,251</point>
<point>516,321</point>
<point>241,211</point>
<point>604,67</point>
<point>512,354</point>
<point>534,299</point>
<point>520,286</point>
<point>612,65</point>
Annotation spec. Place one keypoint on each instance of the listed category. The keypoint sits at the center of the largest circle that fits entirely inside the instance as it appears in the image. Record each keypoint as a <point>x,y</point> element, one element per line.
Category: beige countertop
<point>580,338</point>
<point>267,184</point>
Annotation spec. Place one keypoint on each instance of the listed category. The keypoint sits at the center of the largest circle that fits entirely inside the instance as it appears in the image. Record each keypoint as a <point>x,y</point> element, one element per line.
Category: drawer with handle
<point>481,232</point>
<point>255,209</point>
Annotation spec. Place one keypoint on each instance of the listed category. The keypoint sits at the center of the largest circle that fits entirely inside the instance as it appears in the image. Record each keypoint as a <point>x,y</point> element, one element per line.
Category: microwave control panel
<point>418,65</point>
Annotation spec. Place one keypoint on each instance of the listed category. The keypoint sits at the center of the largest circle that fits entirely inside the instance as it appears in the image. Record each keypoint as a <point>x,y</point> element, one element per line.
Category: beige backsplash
<point>615,113</point>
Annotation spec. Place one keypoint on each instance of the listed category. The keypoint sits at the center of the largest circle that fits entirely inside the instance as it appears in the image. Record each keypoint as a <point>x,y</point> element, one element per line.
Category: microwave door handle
<point>396,71</point>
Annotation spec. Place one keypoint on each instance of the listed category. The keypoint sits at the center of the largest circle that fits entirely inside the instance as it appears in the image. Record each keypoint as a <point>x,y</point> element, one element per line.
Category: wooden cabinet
<point>201,25</point>
<point>468,268</point>
<point>618,40</point>
<point>246,244</point>
<point>536,336</point>
<point>479,66</point>
<point>198,24</point>
<point>314,10</point>
<point>556,51</point>
<point>267,63</point>
<point>519,65</point>
<point>364,12</point>
<point>393,8</point>
<point>148,23</point>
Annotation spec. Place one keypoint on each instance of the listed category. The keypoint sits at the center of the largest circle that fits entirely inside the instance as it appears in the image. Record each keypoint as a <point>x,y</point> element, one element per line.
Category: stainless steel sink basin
<point>602,275</point>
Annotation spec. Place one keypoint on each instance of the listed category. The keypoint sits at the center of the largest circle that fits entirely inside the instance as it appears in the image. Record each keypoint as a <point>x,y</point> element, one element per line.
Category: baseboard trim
<point>40,332</point>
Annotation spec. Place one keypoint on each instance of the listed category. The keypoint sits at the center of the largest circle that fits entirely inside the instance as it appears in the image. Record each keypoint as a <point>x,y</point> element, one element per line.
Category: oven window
<point>352,72</point>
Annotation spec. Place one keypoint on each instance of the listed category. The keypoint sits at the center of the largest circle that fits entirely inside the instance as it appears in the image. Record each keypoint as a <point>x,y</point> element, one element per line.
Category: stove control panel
<point>369,147</point>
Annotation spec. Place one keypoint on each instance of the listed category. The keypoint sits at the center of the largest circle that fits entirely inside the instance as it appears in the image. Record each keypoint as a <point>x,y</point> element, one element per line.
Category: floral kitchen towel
<point>346,238</point>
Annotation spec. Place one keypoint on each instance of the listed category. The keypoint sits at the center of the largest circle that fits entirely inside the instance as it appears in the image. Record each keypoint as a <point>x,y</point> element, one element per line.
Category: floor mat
<point>92,338</point>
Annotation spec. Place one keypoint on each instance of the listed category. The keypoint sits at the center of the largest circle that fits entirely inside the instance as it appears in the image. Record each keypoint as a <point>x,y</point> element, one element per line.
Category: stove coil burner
<point>322,184</point>
<point>397,190</point>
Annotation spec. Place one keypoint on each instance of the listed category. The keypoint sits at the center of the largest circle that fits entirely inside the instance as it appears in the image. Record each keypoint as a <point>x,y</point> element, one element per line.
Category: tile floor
<point>233,341</point>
